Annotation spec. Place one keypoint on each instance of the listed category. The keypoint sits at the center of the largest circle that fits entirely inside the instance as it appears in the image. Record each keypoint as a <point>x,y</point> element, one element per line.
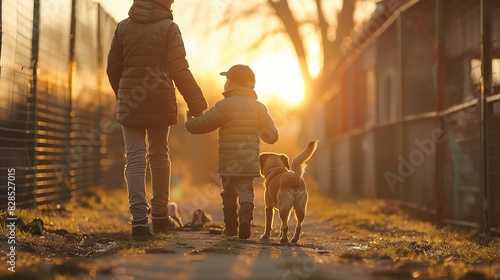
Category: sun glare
<point>278,78</point>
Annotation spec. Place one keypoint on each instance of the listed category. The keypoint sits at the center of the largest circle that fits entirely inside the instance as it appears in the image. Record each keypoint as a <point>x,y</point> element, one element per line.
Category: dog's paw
<point>284,240</point>
<point>265,236</point>
<point>294,240</point>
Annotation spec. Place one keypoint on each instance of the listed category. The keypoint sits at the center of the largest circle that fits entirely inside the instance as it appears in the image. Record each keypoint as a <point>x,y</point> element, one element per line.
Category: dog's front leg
<point>269,222</point>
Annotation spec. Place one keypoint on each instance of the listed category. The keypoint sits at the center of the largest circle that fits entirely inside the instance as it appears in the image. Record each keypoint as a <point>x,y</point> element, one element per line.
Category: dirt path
<point>201,255</point>
<point>340,240</point>
<point>191,254</point>
<point>204,256</point>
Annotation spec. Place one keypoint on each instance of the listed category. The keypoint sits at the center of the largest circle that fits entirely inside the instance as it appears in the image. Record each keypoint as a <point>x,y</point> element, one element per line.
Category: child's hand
<point>190,115</point>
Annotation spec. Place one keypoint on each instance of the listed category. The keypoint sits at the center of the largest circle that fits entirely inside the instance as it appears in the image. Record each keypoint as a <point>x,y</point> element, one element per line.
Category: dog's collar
<point>273,169</point>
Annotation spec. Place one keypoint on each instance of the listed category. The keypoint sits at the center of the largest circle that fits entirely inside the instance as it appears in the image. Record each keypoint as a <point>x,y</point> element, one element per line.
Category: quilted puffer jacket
<point>242,122</point>
<point>147,56</point>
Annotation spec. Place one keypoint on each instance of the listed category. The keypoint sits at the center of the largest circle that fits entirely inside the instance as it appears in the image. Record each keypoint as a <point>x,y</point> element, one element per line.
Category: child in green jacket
<point>242,121</point>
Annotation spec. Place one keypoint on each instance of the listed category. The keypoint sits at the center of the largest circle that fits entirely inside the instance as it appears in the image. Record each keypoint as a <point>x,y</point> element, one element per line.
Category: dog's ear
<point>285,160</point>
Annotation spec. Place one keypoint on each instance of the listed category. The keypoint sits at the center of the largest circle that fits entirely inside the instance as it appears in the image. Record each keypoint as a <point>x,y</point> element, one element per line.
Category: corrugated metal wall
<point>16,99</point>
<point>56,123</point>
<point>111,152</point>
<point>52,101</point>
<point>85,98</point>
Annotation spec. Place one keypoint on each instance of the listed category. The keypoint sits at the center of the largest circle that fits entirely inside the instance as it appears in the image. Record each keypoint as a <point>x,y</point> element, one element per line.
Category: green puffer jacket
<point>242,122</point>
<point>146,54</point>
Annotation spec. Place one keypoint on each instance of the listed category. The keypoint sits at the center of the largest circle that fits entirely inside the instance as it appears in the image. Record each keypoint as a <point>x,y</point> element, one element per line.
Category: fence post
<point>70,93</point>
<point>441,84</point>
<point>100,73</point>
<point>486,89</point>
<point>33,116</point>
<point>1,33</point>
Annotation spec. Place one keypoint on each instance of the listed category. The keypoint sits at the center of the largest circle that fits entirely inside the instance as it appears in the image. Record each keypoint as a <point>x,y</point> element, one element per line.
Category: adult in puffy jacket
<point>147,56</point>
<point>242,121</point>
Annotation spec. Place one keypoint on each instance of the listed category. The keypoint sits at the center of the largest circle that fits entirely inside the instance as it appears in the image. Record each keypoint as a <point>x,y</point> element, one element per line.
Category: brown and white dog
<point>285,189</point>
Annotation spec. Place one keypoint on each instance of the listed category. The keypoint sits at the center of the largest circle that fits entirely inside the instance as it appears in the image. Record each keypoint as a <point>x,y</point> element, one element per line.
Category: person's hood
<point>240,91</point>
<point>146,11</point>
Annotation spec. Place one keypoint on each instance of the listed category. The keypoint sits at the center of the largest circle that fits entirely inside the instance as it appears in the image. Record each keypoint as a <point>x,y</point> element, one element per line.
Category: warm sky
<point>208,53</point>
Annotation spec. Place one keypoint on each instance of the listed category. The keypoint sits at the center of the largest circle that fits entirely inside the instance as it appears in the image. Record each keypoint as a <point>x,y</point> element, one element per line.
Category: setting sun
<point>278,78</point>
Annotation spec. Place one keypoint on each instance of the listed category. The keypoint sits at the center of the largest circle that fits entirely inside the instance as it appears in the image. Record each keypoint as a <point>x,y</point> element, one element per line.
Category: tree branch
<point>291,26</point>
<point>282,10</point>
<point>332,51</point>
<point>345,19</point>
<point>264,36</point>
<point>323,30</point>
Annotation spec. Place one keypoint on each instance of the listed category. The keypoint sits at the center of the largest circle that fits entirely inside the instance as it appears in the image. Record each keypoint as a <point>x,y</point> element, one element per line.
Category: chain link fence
<point>415,135</point>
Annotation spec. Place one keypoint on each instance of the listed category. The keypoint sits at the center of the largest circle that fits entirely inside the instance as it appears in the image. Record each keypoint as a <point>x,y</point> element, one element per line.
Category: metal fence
<point>406,122</point>
<point>57,109</point>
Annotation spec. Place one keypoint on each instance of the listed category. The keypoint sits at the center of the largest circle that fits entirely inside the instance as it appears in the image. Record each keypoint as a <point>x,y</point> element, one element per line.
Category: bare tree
<point>291,26</point>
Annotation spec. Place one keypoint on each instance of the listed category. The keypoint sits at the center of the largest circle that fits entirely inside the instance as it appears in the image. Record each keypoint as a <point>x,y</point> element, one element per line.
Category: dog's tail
<point>299,163</point>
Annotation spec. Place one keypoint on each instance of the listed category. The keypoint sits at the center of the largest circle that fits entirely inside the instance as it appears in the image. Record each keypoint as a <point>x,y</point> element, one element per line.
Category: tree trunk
<point>331,49</point>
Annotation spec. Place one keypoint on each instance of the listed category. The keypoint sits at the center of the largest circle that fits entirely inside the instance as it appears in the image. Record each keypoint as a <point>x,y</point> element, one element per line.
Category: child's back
<point>242,122</point>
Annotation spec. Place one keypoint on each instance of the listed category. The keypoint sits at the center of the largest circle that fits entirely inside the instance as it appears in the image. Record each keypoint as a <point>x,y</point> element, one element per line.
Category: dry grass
<point>416,248</point>
<point>86,226</point>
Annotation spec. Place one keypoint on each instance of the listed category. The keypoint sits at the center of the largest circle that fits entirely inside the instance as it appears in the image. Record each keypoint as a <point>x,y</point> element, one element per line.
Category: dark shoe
<point>246,216</point>
<point>163,224</point>
<point>140,230</point>
<point>230,221</point>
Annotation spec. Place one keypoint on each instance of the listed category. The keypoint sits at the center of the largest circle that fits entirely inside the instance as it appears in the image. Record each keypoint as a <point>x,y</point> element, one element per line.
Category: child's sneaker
<point>140,230</point>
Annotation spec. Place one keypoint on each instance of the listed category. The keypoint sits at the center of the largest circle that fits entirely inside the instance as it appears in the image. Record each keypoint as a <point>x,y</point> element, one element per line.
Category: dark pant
<point>233,188</point>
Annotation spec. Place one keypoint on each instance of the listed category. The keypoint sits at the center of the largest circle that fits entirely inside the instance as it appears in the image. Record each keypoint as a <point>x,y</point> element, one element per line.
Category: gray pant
<point>151,144</point>
<point>233,188</point>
